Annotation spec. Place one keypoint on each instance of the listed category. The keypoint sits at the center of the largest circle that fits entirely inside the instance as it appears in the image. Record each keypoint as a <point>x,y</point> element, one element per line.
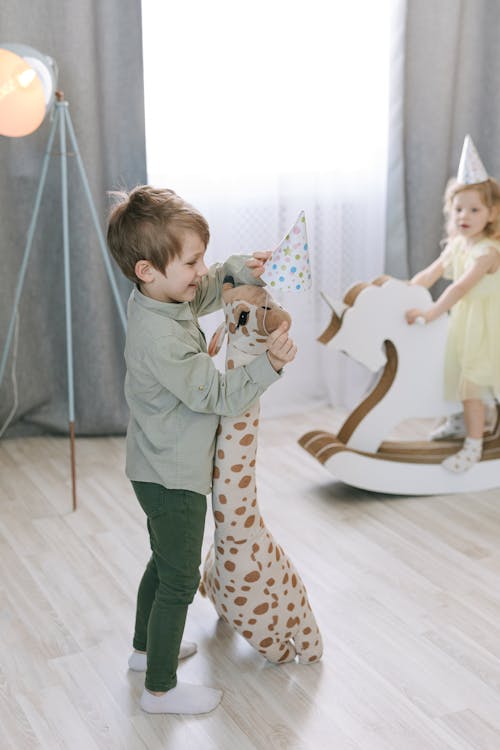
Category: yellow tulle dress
<point>472,362</point>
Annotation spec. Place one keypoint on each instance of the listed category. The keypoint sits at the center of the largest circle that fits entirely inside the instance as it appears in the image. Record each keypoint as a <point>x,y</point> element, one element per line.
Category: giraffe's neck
<point>234,492</point>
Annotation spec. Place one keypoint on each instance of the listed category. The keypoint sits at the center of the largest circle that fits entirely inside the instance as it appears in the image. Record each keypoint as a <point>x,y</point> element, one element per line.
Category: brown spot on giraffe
<point>253,576</point>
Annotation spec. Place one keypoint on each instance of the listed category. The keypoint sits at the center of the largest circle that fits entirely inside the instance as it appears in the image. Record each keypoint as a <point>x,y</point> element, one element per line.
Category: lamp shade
<point>27,87</point>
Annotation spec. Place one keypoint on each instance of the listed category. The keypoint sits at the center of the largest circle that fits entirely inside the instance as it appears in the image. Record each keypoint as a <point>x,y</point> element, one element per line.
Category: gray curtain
<point>446,83</point>
<point>98,49</point>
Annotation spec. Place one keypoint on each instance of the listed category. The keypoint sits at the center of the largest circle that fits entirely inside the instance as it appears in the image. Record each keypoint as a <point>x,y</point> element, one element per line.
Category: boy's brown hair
<point>148,224</point>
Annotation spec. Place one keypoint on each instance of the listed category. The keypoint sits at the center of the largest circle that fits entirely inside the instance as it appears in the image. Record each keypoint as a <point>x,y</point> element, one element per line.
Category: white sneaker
<point>452,427</point>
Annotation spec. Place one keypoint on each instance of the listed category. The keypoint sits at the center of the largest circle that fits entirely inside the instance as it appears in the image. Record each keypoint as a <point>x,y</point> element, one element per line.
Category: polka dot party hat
<point>288,269</point>
<point>471,169</point>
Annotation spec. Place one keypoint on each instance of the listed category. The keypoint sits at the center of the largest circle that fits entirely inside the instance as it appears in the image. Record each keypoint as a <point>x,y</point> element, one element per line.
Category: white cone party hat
<point>471,169</point>
<point>289,269</point>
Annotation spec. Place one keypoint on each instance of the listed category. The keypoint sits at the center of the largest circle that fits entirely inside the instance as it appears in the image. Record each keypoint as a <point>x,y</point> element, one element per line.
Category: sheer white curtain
<point>257,110</point>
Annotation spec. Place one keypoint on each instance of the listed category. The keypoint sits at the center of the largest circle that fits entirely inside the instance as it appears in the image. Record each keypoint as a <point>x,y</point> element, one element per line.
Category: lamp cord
<point>13,376</point>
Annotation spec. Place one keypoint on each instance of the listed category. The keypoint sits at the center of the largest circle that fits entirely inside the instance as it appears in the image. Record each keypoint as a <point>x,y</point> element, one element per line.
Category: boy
<point>176,395</point>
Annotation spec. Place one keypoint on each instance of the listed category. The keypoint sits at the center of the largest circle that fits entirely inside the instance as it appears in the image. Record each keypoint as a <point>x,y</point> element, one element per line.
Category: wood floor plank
<point>405,591</point>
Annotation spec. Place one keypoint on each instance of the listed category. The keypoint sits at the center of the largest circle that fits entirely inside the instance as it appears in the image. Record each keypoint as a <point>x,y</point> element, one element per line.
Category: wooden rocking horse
<point>369,326</point>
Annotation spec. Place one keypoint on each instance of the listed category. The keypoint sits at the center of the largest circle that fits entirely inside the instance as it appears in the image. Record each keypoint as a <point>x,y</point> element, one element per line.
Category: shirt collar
<point>175,310</point>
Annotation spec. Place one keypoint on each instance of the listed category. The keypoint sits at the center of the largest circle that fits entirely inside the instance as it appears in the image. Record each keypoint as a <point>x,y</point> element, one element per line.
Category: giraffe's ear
<point>217,339</point>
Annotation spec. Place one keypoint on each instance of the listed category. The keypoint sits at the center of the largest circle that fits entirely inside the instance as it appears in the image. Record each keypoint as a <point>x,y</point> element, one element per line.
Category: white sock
<point>182,699</point>
<point>137,661</point>
<point>453,426</point>
<point>465,458</point>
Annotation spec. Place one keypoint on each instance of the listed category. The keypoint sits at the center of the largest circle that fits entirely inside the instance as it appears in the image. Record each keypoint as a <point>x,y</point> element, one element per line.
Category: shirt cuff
<point>262,372</point>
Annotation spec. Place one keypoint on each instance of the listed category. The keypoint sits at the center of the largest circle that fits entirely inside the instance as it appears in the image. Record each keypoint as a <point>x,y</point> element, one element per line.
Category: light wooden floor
<point>405,590</point>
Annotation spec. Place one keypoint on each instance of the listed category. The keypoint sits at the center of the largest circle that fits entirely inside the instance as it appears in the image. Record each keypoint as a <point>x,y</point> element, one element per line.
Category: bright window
<point>264,87</point>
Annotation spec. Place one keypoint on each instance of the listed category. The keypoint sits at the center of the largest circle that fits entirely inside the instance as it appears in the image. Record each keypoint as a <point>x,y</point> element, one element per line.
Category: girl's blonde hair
<point>489,192</point>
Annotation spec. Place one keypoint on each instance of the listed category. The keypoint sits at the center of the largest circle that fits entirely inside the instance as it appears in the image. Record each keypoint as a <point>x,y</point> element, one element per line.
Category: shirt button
<point>201,387</point>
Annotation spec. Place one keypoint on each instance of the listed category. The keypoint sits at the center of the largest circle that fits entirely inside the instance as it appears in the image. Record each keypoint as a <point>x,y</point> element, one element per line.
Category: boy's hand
<point>258,261</point>
<point>281,347</point>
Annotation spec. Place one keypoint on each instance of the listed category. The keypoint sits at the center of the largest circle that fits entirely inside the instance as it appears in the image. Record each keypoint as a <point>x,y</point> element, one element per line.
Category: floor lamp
<point>27,93</point>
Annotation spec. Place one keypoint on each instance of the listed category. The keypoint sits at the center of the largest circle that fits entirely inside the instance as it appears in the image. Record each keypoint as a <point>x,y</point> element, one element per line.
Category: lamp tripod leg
<point>27,249</point>
<point>73,462</point>
<point>102,243</point>
<point>62,106</point>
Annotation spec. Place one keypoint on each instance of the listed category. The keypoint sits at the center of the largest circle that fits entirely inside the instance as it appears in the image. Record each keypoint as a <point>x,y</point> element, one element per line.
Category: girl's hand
<point>258,261</point>
<point>412,315</point>
<point>281,347</point>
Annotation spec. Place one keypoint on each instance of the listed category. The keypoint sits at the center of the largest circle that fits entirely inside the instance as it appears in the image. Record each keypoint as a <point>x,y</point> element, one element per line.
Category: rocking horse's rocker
<point>251,581</point>
<point>369,326</point>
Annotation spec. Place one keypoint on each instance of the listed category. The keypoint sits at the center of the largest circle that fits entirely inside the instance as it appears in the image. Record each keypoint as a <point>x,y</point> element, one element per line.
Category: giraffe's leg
<point>278,653</point>
<point>206,582</point>
<point>307,638</point>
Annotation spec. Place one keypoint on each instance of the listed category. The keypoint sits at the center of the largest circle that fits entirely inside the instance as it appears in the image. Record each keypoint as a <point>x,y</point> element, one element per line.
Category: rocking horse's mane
<point>349,299</point>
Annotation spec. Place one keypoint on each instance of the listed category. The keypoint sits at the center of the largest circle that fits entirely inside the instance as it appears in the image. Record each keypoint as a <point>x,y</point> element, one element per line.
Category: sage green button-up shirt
<point>175,392</point>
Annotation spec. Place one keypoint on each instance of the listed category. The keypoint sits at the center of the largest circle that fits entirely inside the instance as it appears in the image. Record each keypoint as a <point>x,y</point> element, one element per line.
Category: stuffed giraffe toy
<point>251,581</point>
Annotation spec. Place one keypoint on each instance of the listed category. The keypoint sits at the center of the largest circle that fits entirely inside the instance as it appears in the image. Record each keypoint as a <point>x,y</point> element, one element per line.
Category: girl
<point>471,258</point>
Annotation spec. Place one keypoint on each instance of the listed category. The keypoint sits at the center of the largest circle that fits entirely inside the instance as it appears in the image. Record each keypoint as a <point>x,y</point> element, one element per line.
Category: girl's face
<point>469,214</point>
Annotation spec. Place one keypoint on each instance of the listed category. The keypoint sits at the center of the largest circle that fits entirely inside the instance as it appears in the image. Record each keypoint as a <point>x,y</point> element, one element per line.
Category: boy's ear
<point>143,270</point>
<point>217,339</point>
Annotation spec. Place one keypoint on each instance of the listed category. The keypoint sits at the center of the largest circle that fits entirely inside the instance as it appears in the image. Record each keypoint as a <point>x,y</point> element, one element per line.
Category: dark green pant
<point>176,520</point>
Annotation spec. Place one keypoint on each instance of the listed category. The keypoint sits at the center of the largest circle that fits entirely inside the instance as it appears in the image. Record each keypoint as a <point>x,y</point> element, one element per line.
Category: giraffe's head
<point>251,314</point>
